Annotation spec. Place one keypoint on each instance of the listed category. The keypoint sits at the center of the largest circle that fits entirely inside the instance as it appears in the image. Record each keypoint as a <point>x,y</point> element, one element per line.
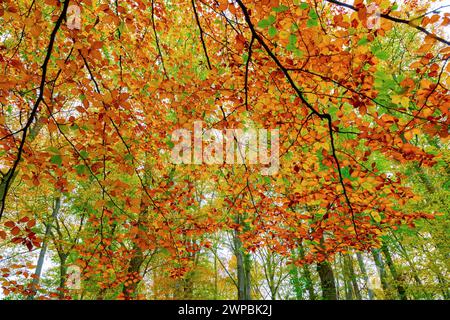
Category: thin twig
<point>201,34</point>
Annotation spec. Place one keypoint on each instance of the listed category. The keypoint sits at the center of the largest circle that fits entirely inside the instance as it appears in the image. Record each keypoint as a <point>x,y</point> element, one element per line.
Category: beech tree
<point>92,205</point>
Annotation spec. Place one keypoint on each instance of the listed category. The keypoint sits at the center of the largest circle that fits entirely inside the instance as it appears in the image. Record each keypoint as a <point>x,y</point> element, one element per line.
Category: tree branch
<point>30,120</point>
<point>201,34</point>
<point>398,20</point>
<point>157,40</point>
<point>323,116</point>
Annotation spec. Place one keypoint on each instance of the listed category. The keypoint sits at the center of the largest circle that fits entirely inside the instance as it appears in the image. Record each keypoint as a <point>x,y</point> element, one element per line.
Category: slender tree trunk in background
<point>362,267</point>
<point>188,286</point>
<point>412,266</point>
<point>270,270</point>
<point>306,274</point>
<point>439,244</point>
<point>243,269</point>
<point>296,283</point>
<point>436,268</point>
<point>397,277</point>
<point>444,288</point>
<point>62,274</point>
<point>381,271</point>
<point>424,179</point>
<point>309,283</point>
<point>41,258</point>
<point>335,266</point>
<point>346,278</point>
<point>188,279</point>
<point>215,276</point>
<point>247,269</point>
<point>327,281</point>
<point>348,260</point>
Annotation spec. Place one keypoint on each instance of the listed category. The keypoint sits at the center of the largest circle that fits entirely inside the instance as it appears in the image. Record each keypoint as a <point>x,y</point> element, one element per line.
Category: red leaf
<point>31,223</point>
<point>9,224</point>
<point>15,231</point>
<point>29,245</point>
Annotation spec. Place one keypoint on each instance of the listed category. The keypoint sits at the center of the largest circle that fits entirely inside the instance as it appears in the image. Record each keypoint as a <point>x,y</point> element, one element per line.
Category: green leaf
<point>280,8</point>
<point>170,143</point>
<point>271,19</point>
<point>264,23</point>
<point>272,31</point>
<point>298,53</point>
<point>290,47</point>
<point>312,14</point>
<point>289,155</point>
<point>128,157</point>
<point>80,168</point>
<point>293,39</point>
<point>312,23</point>
<point>363,41</point>
<point>332,110</point>
<point>304,6</point>
<point>53,150</point>
<point>245,54</point>
<point>446,185</point>
<point>56,159</point>
<point>345,173</point>
<point>382,55</point>
<point>84,154</point>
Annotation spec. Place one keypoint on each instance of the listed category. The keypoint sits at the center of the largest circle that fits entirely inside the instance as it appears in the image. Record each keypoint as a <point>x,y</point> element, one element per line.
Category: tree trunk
<point>62,274</point>
<point>381,271</point>
<point>43,251</point>
<point>188,279</point>
<point>133,272</point>
<point>307,275</point>
<point>395,275</point>
<point>444,287</point>
<point>411,265</point>
<point>439,244</point>
<point>335,266</point>
<point>296,283</point>
<point>346,279</point>
<point>362,267</point>
<point>309,283</point>
<point>188,286</point>
<point>271,276</point>
<point>348,261</point>
<point>216,277</point>
<point>327,281</point>
<point>243,269</point>
<point>129,290</point>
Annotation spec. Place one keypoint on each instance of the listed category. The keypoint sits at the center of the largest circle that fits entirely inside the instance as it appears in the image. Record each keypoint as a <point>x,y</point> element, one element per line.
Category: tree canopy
<point>92,205</point>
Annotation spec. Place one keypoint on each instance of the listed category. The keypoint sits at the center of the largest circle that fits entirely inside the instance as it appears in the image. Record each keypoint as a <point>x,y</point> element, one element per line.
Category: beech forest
<point>224,150</point>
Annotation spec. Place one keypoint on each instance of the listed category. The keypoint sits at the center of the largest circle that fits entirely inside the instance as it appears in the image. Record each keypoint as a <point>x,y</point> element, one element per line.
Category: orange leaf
<point>9,224</point>
<point>15,231</point>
